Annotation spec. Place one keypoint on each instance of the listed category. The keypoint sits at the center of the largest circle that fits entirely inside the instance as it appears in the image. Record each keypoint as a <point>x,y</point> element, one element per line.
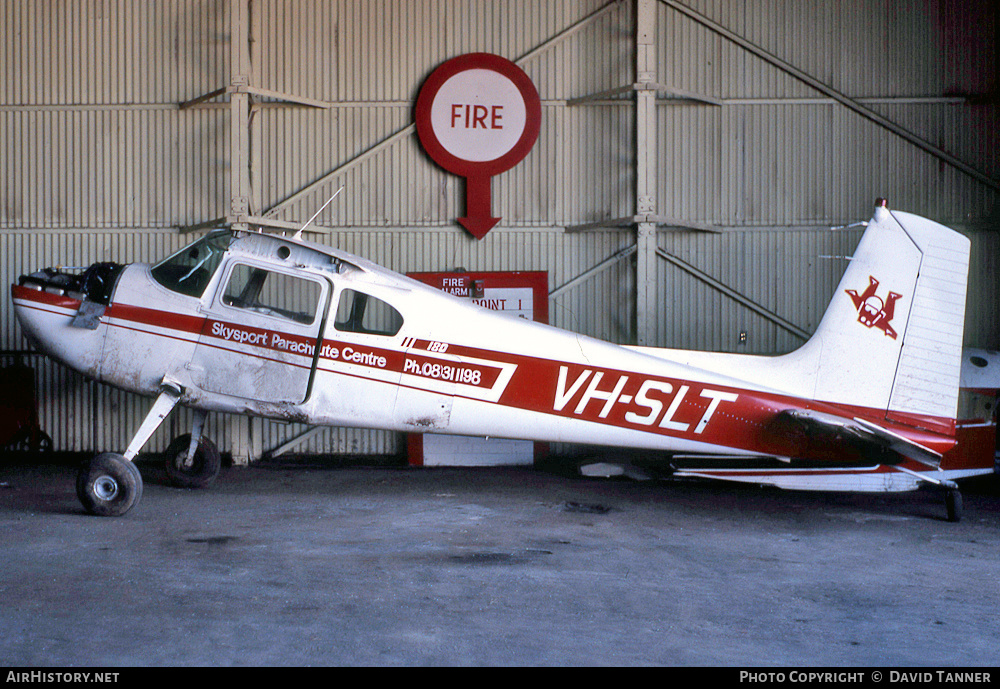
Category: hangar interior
<point>699,179</point>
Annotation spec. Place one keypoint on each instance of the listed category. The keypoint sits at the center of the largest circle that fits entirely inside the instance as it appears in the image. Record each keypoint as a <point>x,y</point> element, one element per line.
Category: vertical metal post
<point>255,425</point>
<point>239,428</point>
<point>239,109</point>
<point>645,172</point>
<point>256,139</point>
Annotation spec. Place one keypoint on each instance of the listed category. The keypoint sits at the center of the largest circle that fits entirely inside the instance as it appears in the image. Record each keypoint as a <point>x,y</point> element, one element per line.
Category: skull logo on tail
<point>872,311</point>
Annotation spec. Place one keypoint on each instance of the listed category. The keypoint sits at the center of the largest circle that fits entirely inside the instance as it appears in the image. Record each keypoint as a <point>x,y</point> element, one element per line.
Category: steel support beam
<point>411,128</point>
<point>590,272</point>
<point>567,32</point>
<point>240,428</point>
<point>239,109</point>
<point>734,294</point>
<point>645,171</point>
<point>844,100</point>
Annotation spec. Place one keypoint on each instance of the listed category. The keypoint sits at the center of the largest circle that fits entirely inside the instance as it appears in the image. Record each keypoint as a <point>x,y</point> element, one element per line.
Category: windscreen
<point>190,269</point>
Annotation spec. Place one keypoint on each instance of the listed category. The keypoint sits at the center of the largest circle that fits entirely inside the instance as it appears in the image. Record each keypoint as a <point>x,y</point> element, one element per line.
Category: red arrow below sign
<point>478,220</point>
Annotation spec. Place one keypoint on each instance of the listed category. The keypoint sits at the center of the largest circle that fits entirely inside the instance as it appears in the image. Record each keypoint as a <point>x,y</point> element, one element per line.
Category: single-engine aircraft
<point>274,326</point>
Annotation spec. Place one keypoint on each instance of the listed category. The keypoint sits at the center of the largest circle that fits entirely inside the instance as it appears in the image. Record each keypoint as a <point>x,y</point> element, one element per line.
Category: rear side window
<point>358,312</point>
<point>272,294</point>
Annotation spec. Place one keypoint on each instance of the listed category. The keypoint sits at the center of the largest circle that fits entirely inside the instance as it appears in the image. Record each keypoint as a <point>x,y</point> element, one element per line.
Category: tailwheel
<point>192,467</point>
<point>952,495</point>
<point>109,485</point>
<point>953,503</point>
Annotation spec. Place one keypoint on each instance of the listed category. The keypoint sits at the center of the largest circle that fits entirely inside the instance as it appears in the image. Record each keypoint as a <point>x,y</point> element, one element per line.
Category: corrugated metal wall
<point>99,162</point>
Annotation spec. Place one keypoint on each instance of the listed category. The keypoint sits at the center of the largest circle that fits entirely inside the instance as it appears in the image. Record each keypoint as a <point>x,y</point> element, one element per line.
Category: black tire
<point>204,466</point>
<point>953,504</point>
<point>109,485</point>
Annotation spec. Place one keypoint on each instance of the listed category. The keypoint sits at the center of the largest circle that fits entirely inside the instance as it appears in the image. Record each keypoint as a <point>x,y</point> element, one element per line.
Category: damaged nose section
<point>92,288</point>
<point>59,311</point>
<point>94,284</point>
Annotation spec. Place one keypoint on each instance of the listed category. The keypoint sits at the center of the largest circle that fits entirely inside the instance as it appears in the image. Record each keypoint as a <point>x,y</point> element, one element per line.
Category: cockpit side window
<point>358,312</point>
<point>190,269</point>
<point>272,294</point>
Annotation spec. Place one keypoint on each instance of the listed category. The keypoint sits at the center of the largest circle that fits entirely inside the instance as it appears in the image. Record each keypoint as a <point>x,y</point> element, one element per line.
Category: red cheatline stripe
<point>534,383</point>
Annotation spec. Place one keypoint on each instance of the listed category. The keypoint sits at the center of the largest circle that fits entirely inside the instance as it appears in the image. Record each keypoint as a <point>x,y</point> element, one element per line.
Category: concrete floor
<point>304,564</point>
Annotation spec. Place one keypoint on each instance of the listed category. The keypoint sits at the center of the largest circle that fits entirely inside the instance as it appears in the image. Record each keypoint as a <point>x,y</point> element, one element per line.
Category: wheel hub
<point>105,487</point>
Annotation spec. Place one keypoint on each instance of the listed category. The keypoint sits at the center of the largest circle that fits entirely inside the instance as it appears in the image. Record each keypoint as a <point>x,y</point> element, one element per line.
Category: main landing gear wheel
<point>953,503</point>
<point>109,485</point>
<point>198,471</point>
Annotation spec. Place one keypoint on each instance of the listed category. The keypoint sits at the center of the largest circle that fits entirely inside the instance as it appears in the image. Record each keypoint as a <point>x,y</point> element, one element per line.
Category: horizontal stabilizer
<point>866,433</point>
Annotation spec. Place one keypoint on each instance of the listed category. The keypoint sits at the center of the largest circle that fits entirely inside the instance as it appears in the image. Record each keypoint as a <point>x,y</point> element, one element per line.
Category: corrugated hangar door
<point>696,181</point>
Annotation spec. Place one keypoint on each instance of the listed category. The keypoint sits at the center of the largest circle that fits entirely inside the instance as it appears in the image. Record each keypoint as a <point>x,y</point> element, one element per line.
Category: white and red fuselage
<point>340,341</point>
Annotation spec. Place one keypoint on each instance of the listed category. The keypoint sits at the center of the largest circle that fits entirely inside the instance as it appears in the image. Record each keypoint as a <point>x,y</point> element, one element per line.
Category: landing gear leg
<point>192,461</point>
<point>109,485</point>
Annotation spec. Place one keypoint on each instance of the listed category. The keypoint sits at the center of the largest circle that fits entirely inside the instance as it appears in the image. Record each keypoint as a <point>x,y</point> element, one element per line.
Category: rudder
<point>891,338</point>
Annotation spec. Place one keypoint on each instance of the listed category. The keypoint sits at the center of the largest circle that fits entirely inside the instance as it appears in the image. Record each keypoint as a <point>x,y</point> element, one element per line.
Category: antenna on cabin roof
<point>298,233</point>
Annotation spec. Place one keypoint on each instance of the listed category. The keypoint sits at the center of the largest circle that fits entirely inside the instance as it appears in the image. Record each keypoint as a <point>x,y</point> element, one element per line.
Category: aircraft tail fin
<point>892,336</point>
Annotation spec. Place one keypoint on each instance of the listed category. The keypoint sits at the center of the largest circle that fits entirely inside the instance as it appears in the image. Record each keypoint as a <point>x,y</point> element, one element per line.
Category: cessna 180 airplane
<point>274,326</point>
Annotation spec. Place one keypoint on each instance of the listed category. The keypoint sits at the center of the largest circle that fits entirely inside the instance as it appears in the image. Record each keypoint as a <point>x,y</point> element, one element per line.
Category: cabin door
<point>261,334</point>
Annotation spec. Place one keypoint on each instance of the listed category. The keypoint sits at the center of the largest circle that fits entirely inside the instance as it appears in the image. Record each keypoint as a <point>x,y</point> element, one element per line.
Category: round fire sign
<point>478,115</point>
